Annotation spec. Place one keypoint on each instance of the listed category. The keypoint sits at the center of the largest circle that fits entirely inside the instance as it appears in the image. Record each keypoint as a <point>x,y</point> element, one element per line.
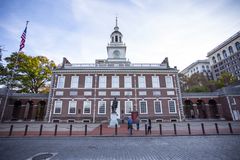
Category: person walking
<point>149,126</point>
<point>130,122</point>
<point>137,122</point>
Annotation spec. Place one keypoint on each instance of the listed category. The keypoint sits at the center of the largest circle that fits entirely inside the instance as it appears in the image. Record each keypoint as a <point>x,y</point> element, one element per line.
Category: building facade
<point>200,66</point>
<point>22,106</point>
<point>84,92</point>
<point>226,57</point>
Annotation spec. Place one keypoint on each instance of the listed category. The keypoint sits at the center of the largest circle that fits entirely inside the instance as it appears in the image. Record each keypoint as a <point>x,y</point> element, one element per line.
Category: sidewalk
<point>158,129</point>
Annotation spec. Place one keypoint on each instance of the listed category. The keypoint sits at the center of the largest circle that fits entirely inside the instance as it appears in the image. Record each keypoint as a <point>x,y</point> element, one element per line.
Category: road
<point>224,147</point>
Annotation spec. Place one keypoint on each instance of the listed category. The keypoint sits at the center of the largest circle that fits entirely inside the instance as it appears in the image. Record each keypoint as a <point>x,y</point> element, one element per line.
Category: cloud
<point>183,30</point>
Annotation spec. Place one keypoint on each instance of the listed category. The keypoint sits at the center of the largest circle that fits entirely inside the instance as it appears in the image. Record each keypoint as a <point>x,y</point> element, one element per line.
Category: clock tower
<point>116,49</point>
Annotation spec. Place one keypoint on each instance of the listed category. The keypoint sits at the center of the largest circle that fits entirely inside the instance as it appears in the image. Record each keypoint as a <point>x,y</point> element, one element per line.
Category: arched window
<point>214,59</point>
<point>116,38</point>
<point>224,54</point>
<point>230,49</point>
<point>237,44</point>
<point>120,39</point>
<point>112,39</point>
<point>219,57</point>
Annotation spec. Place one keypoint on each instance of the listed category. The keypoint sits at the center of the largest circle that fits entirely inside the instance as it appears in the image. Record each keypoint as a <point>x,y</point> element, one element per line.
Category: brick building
<point>23,106</point>
<point>84,92</point>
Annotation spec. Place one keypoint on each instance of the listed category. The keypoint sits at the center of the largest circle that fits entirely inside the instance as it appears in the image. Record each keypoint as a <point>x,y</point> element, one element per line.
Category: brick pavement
<point>124,148</point>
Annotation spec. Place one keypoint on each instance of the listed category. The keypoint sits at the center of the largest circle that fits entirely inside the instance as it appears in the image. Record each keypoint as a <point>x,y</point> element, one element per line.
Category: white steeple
<point>116,49</point>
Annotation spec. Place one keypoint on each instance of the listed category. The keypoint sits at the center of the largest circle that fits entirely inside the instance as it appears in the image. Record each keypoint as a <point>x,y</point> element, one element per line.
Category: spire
<point>116,27</point>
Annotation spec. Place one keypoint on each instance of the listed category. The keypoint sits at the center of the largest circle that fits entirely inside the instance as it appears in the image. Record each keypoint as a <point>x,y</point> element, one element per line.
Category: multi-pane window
<point>155,82</point>
<point>74,81</point>
<point>57,107</point>
<point>88,81</point>
<point>128,107</point>
<point>141,82</point>
<point>158,107</point>
<point>61,81</point>
<point>115,81</point>
<point>172,106</point>
<point>72,107</point>
<point>230,49</point>
<point>87,107</point>
<point>102,107</point>
<point>143,107</point>
<point>169,81</point>
<point>127,82</point>
<point>102,81</point>
<point>237,44</point>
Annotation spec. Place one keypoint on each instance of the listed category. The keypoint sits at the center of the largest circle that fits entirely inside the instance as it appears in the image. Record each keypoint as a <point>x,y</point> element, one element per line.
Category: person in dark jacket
<point>130,122</point>
<point>149,126</point>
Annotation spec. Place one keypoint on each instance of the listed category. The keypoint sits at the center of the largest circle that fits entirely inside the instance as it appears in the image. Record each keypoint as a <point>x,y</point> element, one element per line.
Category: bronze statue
<point>114,105</point>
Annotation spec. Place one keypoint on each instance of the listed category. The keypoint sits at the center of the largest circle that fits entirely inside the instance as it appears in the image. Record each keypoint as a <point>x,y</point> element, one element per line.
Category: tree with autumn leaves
<point>27,74</point>
<point>200,83</point>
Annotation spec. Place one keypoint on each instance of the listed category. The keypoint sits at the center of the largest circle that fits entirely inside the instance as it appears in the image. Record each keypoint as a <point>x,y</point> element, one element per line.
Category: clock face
<point>116,54</point>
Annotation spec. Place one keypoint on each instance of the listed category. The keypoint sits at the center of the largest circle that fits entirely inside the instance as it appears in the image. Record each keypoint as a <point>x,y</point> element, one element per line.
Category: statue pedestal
<point>113,120</point>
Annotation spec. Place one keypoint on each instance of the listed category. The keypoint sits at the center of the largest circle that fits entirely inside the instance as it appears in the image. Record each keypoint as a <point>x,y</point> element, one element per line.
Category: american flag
<point>23,37</point>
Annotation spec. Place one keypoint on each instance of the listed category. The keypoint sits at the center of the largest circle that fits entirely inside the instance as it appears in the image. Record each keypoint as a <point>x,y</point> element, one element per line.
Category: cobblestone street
<point>139,148</point>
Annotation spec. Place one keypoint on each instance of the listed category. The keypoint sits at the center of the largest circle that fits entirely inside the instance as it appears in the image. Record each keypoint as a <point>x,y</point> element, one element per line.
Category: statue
<point>114,105</point>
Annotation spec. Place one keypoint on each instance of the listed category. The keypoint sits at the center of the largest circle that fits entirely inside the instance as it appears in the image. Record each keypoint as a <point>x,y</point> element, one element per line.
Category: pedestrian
<point>137,122</point>
<point>149,126</point>
<point>130,125</point>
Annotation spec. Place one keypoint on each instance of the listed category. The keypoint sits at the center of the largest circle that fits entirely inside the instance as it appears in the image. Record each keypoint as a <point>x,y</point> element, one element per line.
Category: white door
<point>117,110</point>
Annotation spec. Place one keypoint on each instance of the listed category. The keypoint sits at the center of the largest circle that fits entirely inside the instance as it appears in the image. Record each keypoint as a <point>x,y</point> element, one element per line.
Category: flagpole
<point>22,44</point>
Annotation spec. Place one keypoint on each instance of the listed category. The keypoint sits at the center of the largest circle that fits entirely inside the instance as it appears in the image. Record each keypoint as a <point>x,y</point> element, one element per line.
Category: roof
<point>229,40</point>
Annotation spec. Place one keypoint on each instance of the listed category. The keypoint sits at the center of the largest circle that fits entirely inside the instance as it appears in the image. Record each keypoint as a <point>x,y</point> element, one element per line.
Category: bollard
<point>55,132</point>
<point>230,128</point>
<point>115,129</point>
<point>203,130</point>
<point>146,129</point>
<point>100,129</point>
<point>175,129</point>
<point>10,131</point>
<point>131,129</point>
<point>40,131</point>
<point>216,125</point>
<point>160,129</point>
<point>85,130</point>
<point>26,129</point>
<point>70,133</point>
<point>189,129</point>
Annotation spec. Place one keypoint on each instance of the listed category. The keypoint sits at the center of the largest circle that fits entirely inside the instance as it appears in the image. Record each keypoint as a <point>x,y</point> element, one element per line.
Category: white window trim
<point>144,80</point>
<point>72,84</point>
<point>155,85</point>
<point>169,86</point>
<point>128,85</point>
<point>125,107</point>
<point>233,101</point>
<point>102,82</point>
<point>57,107</point>
<point>140,107</point>
<point>174,105</point>
<point>86,84</point>
<point>160,107</point>
<point>69,105</point>
<point>84,107</point>
<point>58,82</point>
<point>99,102</point>
<point>115,85</point>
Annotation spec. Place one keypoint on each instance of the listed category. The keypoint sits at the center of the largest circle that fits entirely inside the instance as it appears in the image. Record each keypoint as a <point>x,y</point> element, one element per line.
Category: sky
<point>182,30</point>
